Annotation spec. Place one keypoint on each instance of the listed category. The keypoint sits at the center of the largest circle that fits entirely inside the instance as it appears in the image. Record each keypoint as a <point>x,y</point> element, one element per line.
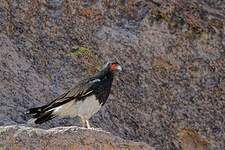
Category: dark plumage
<point>85,99</point>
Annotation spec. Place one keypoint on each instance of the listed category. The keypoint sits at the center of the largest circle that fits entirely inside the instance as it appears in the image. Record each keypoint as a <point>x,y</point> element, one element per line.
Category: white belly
<point>85,108</point>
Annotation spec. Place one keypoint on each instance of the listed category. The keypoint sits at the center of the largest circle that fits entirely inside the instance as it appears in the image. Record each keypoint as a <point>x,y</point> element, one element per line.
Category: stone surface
<point>63,138</point>
<point>172,52</point>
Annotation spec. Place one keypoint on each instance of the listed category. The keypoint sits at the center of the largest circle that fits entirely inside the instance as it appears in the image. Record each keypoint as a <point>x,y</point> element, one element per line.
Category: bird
<point>84,99</point>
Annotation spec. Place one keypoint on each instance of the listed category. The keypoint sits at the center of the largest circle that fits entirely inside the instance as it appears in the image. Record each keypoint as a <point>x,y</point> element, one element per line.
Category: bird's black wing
<point>80,91</point>
<point>83,89</point>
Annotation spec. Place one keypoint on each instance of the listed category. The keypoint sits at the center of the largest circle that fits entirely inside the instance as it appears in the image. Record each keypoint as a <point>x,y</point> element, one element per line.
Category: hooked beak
<point>119,68</point>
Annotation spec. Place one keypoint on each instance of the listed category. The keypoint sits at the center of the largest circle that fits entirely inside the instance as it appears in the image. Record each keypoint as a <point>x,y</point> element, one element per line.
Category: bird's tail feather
<point>34,111</point>
<point>40,115</point>
<point>45,116</point>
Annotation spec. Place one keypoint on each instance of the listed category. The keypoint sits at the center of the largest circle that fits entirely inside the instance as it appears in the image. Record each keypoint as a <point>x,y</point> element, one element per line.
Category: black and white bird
<point>84,99</point>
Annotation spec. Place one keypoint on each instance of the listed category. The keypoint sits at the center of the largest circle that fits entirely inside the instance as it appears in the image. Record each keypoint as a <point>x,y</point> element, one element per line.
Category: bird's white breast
<point>87,107</point>
<point>84,108</point>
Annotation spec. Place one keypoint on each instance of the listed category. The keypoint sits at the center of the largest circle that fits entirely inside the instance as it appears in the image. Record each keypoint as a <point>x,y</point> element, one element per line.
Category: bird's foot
<point>87,125</point>
<point>96,129</point>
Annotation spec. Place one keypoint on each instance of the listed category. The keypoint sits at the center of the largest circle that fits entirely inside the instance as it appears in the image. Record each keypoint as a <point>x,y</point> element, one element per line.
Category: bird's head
<point>112,67</point>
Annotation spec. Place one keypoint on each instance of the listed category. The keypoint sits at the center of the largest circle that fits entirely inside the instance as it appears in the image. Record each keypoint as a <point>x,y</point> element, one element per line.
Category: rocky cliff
<point>172,92</point>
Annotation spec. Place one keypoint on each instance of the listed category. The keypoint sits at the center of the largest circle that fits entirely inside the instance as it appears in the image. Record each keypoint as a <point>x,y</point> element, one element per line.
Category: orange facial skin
<point>114,67</point>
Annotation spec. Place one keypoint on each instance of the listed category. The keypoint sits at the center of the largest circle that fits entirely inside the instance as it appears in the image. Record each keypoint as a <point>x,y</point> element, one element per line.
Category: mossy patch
<point>218,92</point>
<point>89,12</point>
<point>178,17</point>
<point>79,51</point>
<point>1,147</point>
<point>90,61</point>
<point>98,147</point>
<point>163,66</point>
<point>216,23</point>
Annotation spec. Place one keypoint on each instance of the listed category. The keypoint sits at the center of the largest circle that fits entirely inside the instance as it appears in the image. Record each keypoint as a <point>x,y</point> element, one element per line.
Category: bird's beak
<point>119,68</point>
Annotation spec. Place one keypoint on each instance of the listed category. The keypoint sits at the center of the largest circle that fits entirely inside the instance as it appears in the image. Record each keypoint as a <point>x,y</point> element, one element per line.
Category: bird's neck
<point>104,75</point>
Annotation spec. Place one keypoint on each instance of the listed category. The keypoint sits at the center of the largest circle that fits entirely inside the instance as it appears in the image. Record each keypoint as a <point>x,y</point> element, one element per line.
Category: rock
<point>192,140</point>
<point>63,138</point>
<point>172,54</point>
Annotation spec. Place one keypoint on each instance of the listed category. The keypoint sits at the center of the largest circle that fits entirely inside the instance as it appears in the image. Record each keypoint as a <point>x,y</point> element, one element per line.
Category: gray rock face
<point>172,91</point>
<point>63,138</point>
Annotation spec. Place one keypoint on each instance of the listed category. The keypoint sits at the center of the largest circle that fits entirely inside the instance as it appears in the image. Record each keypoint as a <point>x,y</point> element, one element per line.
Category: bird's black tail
<point>34,111</point>
<point>40,114</point>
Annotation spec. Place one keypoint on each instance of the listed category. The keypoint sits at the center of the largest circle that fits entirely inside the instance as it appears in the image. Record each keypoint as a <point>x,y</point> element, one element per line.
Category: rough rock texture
<point>63,138</point>
<point>172,91</point>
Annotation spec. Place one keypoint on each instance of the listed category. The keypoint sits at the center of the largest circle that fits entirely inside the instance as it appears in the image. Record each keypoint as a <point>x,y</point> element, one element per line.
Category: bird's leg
<point>87,124</point>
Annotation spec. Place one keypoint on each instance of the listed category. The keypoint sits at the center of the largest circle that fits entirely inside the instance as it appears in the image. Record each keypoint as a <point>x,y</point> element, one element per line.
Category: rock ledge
<point>66,138</point>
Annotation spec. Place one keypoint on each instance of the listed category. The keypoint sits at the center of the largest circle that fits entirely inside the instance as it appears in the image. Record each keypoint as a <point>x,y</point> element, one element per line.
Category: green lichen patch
<point>2,147</point>
<point>79,51</point>
<point>88,59</point>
